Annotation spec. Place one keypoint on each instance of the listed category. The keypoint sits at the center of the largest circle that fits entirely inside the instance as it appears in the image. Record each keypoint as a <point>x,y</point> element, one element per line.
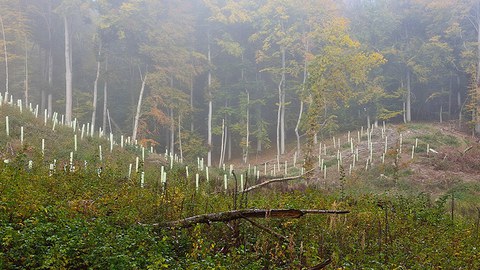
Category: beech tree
<point>278,36</point>
<point>339,68</point>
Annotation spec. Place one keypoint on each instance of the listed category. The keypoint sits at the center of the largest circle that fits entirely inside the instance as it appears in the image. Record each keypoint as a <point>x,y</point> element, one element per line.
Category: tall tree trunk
<point>50,83</point>
<point>282,117</point>
<point>105,105</point>
<point>259,131</point>
<point>229,138</point>
<point>280,144</point>
<point>172,123</point>
<point>279,113</point>
<point>43,92</point>
<point>477,78</point>
<point>222,153</point>
<point>172,132</point>
<point>408,109</point>
<point>50,104</point>
<point>95,93</point>
<point>49,63</point>
<point>105,99</point>
<point>68,74</point>
<point>247,119</point>
<point>139,107</point>
<point>6,57</point>
<point>247,139</point>
<point>441,114</point>
<point>300,114</point>
<point>192,123</point>
<point>26,73</point>
<point>210,105</point>
<point>450,96</point>
<point>478,43</point>
<point>180,147</point>
<point>110,122</point>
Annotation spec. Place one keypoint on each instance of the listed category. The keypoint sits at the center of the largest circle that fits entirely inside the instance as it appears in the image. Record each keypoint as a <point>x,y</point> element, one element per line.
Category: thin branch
<point>275,181</point>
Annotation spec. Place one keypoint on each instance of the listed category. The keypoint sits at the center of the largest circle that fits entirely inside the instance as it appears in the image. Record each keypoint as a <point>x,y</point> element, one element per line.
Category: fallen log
<point>285,179</point>
<point>244,213</point>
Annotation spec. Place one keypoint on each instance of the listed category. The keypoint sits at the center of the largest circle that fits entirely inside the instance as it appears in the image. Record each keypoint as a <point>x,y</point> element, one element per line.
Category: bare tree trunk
<point>222,153</point>
<point>280,123</point>
<point>180,147</point>
<point>279,113</point>
<point>450,96</point>
<point>110,122</point>
<point>192,124</point>
<point>43,92</point>
<point>459,102</point>
<point>50,61</point>
<point>50,83</point>
<point>105,99</point>
<point>477,78</point>
<point>95,93</point>
<point>409,97</point>
<point>139,107</point>
<point>282,117</point>
<point>50,104</point>
<point>172,131</point>
<point>305,74</point>
<point>247,120</point>
<point>6,57</point>
<point>259,131</point>
<point>247,139</point>
<point>68,74</point>
<point>229,139</point>
<point>43,99</point>
<point>26,72</point>
<point>441,114</point>
<point>210,106</point>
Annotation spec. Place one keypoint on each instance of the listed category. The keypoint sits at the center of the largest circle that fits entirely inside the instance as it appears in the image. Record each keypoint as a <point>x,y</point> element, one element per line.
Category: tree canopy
<point>239,76</point>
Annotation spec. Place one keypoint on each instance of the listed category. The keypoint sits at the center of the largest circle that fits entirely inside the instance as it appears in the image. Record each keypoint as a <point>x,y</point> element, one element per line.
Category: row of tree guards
<point>335,156</point>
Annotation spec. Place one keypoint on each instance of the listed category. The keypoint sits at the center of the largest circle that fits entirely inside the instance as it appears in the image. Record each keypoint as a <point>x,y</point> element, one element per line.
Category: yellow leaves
<point>281,13</point>
<point>230,12</point>
<point>230,47</point>
<point>128,7</point>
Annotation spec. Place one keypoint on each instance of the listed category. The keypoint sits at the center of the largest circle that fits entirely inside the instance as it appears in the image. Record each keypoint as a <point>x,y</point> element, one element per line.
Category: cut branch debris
<point>285,179</point>
<point>245,213</point>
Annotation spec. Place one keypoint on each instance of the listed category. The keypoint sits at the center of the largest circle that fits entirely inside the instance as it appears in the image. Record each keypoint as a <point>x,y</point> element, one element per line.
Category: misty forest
<point>216,134</point>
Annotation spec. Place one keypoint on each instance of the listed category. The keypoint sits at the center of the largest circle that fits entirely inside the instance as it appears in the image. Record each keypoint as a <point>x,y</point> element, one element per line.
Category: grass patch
<point>438,139</point>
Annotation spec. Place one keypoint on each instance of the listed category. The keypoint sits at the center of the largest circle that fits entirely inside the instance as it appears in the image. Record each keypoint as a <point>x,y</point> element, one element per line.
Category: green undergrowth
<point>78,220</point>
<point>96,217</point>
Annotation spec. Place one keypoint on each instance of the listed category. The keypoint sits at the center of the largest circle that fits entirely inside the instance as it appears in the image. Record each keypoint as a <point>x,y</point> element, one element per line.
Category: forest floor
<point>453,156</point>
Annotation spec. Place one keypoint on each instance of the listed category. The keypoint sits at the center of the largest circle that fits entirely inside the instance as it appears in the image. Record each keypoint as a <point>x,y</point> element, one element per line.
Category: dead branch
<point>245,213</point>
<point>467,149</point>
<point>285,179</point>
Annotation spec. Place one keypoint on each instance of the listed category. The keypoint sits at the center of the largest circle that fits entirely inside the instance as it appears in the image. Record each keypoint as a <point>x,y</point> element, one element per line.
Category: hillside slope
<point>102,210</point>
